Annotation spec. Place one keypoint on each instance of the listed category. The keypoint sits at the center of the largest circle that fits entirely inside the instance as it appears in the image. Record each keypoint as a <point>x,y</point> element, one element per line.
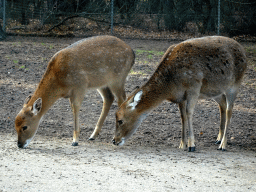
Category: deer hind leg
<point>108,99</point>
<point>189,110</point>
<point>76,100</point>
<point>184,123</point>
<point>223,107</point>
<point>191,98</point>
<point>230,98</point>
<point>186,111</point>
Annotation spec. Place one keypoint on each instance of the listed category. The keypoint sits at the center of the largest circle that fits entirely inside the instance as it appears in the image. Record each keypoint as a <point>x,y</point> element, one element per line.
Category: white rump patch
<point>136,100</point>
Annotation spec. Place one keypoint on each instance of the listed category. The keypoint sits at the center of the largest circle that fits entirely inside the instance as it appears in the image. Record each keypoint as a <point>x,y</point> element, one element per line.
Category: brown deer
<point>208,67</point>
<point>101,63</point>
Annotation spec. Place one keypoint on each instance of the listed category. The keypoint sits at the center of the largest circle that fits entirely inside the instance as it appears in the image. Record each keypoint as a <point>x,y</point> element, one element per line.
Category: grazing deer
<point>101,63</point>
<point>208,67</point>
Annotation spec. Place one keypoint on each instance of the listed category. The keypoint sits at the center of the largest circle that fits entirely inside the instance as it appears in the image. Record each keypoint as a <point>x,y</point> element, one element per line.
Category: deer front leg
<point>75,101</point>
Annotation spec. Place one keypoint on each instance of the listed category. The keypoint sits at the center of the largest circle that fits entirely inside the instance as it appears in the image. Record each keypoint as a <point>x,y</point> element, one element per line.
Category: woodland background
<point>130,17</point>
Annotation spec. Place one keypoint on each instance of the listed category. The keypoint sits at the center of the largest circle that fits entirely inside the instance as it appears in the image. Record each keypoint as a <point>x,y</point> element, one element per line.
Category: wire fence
<point>209,16</point>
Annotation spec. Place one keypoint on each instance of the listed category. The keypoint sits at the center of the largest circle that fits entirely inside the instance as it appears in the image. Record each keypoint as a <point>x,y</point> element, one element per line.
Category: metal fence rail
<point>222,16</point>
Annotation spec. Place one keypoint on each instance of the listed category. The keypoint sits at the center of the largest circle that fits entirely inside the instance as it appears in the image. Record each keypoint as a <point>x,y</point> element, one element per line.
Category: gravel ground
<point>150,160</point>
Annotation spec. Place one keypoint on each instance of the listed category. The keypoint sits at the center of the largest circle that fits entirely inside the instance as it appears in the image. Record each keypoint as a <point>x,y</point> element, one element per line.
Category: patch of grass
<point>16,61</point>
<point>150,56</point>
<point>158,53</point>
<point>132,72</point>
<point>139,52</point>
<point>17,43</point>
<point>148,70</point>
<point>251,49</point>
<point>22,67</point>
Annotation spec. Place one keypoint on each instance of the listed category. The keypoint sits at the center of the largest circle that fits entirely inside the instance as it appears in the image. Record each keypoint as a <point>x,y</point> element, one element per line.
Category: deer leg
<point>230,97</point>
<point>184,123</point>
<point>119,92</point>
<point>192,97</point>
<point>108,99</point>
<point>191,138</point>
<point>76,100</point>
<point>223,107</point>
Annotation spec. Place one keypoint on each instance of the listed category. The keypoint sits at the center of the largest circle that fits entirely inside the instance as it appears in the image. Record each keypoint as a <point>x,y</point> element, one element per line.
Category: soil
<point>150,160</point>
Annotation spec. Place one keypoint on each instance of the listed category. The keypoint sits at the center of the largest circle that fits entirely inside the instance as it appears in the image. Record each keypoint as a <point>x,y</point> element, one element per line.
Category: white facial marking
<point>27,142</point>
<point>122,142</point>
<point>137,98</point>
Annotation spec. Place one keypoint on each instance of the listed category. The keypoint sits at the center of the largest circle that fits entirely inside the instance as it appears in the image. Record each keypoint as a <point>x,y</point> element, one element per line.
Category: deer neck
<point>49,91</point>
<point>153,94</point>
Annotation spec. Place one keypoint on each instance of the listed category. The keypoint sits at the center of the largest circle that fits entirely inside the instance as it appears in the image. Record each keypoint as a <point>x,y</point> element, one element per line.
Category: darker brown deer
<point>101,63</point>
<point>208,67</point>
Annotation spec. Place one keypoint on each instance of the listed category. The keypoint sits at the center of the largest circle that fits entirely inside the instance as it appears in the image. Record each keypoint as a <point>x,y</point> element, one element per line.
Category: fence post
<point>4,19</point>
<point>112,16</point>
<point>218,30</point>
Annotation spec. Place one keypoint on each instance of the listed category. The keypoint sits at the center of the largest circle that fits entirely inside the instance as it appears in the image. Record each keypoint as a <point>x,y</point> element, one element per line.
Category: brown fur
<point>209,67</point>
<point>100,63</point>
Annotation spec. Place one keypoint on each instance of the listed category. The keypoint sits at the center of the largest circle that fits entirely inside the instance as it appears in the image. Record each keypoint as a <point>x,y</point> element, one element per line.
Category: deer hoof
<point>91,139</point>
<point>191,149</point>
<point>218,142</point>
<point>75,144</point>
<point>221,149</point>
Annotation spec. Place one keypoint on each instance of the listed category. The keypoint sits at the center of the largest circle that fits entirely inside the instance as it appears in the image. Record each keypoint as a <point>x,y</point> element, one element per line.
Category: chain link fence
<point>83,16</point>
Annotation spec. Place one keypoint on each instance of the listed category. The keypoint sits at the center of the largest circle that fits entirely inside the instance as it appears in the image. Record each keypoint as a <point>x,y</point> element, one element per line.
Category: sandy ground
<point>150,161</point>
<point>52,164</point>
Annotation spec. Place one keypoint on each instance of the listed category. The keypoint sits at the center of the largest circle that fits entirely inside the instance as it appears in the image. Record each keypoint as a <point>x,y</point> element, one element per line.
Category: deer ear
<point>136,100</point>
<point>37,106</point>
<point>137,97</point>
<point>27,99</point>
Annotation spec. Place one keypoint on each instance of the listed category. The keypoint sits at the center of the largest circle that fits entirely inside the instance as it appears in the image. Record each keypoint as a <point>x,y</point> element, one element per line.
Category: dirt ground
<point>149,161</point>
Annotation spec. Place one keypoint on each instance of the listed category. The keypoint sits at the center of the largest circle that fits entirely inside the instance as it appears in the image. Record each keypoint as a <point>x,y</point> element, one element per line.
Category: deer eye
<point>24,128</point>
<point>120,122</point>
